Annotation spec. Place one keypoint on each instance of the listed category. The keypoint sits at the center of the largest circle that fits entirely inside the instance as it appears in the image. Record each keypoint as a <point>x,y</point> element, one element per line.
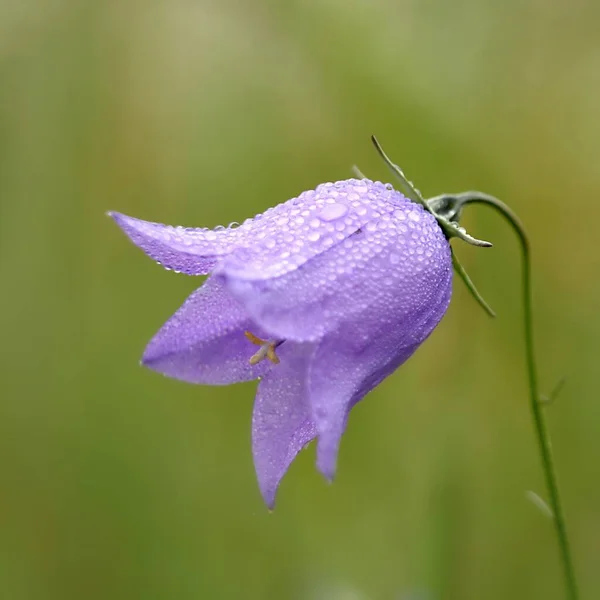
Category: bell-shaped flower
<point>319,298</point>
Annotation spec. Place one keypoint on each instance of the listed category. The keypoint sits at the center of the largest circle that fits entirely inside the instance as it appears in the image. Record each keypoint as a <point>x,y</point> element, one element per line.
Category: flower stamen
<point>266,350</point>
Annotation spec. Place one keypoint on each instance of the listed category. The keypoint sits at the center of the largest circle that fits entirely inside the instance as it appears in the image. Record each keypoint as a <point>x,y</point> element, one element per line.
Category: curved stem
<point>539,420</point>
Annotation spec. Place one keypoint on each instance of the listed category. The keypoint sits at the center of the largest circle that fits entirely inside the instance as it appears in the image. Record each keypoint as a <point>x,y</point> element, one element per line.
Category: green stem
<point>537,412</point>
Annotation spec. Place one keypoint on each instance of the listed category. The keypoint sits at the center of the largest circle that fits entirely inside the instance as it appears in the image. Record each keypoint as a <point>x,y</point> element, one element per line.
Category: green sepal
<point>447,210</point>
<point>470,285</point>
<point>450,228</point>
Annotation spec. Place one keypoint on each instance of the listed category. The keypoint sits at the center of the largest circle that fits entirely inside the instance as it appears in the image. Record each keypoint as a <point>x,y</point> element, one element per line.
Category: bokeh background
<point>118,483</point>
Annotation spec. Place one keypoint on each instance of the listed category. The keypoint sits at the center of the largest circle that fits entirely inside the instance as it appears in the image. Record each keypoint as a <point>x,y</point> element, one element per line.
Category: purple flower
<point>320,298</point>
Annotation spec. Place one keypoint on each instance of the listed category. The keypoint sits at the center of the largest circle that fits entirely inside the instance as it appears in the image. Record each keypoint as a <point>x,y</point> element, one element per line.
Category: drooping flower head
<point>319,298</point>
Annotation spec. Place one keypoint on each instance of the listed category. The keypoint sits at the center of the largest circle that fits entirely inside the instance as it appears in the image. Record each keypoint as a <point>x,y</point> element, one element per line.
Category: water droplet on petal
<point>331,212</point>
<point>313,236</point>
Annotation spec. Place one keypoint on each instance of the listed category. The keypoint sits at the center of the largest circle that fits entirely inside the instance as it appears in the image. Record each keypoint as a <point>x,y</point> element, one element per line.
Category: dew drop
<point>331,212</point>
<point>313,236</point>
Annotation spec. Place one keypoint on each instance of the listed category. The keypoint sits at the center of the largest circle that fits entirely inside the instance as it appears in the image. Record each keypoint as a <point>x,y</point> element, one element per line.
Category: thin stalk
<point>539,421</point>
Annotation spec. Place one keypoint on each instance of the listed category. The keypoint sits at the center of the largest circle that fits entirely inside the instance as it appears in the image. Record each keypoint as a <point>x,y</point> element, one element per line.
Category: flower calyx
<point>447,210</point>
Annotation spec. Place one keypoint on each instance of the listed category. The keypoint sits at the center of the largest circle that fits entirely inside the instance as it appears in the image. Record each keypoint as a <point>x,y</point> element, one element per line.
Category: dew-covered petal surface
<point>194,251</point>
<point>204,341</point>
<point>352,360</point>
<point>394,260</point>
<point>281,422</point>
<point>294,232</point>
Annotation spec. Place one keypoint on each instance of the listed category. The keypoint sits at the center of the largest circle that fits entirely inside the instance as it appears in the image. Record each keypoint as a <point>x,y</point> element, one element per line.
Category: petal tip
<point>116,216</point>
<point>327,459</point>
<point>123,221</point>
<point>327,469</point>
<point>152,354</point>
<point>149,357</point>
<point>268,496</point>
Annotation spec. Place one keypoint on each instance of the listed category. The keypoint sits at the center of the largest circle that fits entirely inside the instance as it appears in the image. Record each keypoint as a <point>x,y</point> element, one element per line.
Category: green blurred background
<point>118,483</point>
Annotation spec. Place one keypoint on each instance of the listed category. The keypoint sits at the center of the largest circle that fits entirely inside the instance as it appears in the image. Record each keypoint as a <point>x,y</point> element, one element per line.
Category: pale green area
<point>116,483</point>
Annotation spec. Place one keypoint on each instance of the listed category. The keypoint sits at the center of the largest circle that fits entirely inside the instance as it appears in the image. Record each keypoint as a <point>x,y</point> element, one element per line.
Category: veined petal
<point>391,263</point>
<point>204,341</point>
<point>308,226</point>
<point>281,422</point>
<point>322,217</point>
<point>355,358</point>
<point>194,251</point>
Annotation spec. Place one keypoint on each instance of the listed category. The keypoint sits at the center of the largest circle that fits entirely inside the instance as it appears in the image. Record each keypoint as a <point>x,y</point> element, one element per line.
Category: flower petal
<point>355,358</point>
<point>281,422</point>
<point>186,250</point>
<point>392,263</point>
<point>204,341</point>
<point>293,233</point>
